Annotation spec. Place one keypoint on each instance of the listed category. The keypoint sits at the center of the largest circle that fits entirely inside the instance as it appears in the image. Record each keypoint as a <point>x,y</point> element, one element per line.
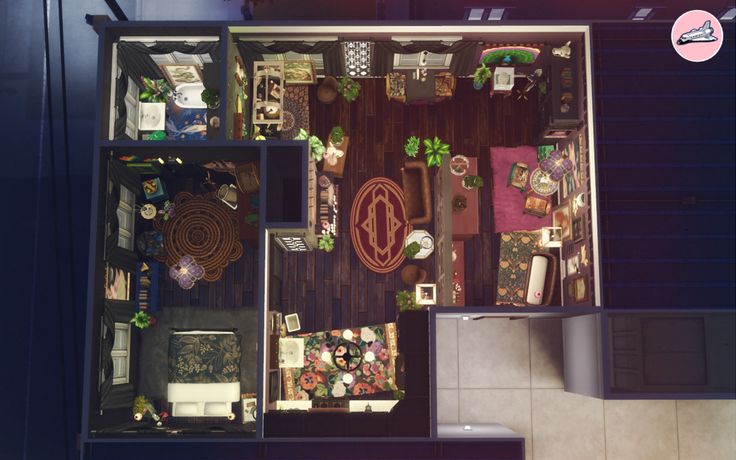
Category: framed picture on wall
<point>578,229</point>
<point>300,72</point>
<point>117,283</point>
<point>177,74</point>
<point>561,218</point>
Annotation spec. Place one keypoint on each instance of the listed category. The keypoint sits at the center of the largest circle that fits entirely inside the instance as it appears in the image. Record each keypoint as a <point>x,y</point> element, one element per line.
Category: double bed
<point>203,373</point>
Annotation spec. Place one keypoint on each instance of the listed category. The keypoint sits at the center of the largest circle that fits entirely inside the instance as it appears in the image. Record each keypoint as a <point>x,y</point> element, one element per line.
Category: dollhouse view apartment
<point>334,231</point>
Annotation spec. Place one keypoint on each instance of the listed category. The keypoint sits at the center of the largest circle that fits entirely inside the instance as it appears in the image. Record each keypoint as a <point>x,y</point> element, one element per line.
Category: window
<point>357,58</point>
<point>414,60</point>
<point>641,14</point>
<point>120,354</point>
<point>496,14</point>
<point>474,14</point>
<point>126,218</point>
<point>131,109</point>
<point>729,14</point>
<point>317,59</point>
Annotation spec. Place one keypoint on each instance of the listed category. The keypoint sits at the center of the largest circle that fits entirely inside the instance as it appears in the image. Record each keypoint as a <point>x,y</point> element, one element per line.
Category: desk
<point>466,223</point>
<point>417,91</point>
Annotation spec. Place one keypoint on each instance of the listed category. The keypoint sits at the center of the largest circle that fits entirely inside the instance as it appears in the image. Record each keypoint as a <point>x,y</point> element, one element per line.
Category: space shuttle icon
<point>702,34</point>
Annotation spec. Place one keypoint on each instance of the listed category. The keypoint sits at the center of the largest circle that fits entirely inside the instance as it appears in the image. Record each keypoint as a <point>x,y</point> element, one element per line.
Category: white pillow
<point>216,408</point>
<point>186,409</point>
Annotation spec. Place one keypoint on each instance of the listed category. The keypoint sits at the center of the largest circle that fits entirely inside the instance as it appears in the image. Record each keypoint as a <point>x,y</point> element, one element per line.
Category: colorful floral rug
<point>378,225</point>
<point>321,378</point>
<point>513,263</point>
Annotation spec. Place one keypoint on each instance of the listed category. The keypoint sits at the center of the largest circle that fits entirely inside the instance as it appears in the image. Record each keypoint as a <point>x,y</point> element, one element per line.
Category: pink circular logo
<point>697,36</point>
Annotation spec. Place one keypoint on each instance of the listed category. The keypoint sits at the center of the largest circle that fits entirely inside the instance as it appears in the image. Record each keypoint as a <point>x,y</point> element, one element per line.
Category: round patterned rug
<point>378,225</point>
<point>204,228</point>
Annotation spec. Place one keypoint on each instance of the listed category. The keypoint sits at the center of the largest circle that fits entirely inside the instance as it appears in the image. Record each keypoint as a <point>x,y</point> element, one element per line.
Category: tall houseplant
<point>316,147</point>
<point>481,75</point>
<point>154,90</point>
<point>435,149</point>
<point>349,88</point>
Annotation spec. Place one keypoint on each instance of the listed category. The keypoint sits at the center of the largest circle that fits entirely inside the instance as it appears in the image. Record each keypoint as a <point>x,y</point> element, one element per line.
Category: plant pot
<point>412,274</point>
<point>478,86</point>
<point>459,203</point>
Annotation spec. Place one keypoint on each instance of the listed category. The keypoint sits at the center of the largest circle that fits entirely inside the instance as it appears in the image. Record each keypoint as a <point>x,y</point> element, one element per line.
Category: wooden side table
<point>338,168</point>
<point>466,223</point>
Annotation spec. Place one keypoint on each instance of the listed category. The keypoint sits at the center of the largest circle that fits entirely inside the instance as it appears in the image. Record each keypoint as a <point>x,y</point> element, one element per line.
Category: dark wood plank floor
<point>235,289</point>
<point>336,290</point>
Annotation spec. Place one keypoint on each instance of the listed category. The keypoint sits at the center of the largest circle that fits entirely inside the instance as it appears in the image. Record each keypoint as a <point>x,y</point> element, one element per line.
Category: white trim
<point>263,400</point>
<point>153,39</point>
<point>426,38</point>
<point>113,86</point>
<point>436,28</point>
<point>295,38</point>
<point>592,173</point>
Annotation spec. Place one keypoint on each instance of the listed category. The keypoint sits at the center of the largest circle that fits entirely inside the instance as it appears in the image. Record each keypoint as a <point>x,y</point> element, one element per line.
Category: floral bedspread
<point>204,358</point>
<point>320,378</point>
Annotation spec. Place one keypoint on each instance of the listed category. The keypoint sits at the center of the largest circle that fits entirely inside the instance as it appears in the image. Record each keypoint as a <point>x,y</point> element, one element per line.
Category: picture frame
<point>300,72</point>
<point>561,218</point>
<point>578,229</point>
<point>572,265</point>
<point>274,386</point>
<point>426,294</point>
<point>177,74</point>
<point>578,289</point>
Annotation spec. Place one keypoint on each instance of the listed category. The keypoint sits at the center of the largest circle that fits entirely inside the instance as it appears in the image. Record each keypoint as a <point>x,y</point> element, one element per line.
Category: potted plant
<point>349,88</point>
<point>411,148</point>
<point>211,98</point>
<point>470,181</point>
<point>411,250</point>
<point>142,320</point>
<point>435,149</point>
<point>337,135</point>
<point>316,147</point>
<point>154,90</point>
<point>481,75</point>
<point>405,300</point>
<point>326,243</point>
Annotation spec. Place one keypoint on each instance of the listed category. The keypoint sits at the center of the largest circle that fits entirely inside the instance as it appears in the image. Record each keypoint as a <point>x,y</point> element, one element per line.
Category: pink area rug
<point>508,202</point>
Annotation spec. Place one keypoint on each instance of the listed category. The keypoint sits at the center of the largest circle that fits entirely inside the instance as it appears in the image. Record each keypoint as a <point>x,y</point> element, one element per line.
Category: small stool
<point>412,274</point>
<point>327,90</point>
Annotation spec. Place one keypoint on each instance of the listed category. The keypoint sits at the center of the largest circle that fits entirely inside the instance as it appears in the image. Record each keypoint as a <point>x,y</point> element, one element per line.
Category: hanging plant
<point>142,320</point>
<point>154,90</point>
<point>411,148</point>
<point>316,147</point>
<point>349,88</point>
<point>435,149</point>
<point>326,243</point>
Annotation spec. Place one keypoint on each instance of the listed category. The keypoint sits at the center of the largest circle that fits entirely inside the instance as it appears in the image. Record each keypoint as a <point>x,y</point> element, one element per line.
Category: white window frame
<point>318,59</point>
<point>126,208</point>
<point>118,353</point>
<point>444,65</point>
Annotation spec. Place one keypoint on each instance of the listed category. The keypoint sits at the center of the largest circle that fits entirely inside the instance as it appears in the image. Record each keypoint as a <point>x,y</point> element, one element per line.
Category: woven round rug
<point>378,225</point>
<point>204,228</point>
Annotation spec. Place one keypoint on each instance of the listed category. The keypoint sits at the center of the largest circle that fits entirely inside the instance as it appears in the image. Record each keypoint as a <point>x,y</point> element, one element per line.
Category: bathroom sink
<point>151,116</point>
<point>189,96</point>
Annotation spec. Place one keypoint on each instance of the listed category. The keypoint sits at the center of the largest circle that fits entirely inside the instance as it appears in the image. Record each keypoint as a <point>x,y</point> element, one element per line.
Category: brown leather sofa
<point>417,192</point>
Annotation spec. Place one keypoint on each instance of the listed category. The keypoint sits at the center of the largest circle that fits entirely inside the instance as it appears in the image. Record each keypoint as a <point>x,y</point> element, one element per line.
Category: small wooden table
<point>466,223</point>
<point>338,168</point>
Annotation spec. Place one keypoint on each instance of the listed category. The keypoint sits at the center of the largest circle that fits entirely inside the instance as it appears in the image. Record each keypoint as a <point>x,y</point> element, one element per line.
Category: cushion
<point>216,408</point>
<point>186,409</point>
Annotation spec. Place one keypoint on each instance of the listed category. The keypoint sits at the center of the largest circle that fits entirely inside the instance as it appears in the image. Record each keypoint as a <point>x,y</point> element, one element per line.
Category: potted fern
<point>349,88</point>
<point>154,90</point>
<point>142,320</point>
<point>211,98</point>
<point>326,243</point>
<point>435,149</point>
<point>316,147</point>
<point>411,148</point>
<point>481,75</point>
<point>337,135</point>
<point>411,250</point>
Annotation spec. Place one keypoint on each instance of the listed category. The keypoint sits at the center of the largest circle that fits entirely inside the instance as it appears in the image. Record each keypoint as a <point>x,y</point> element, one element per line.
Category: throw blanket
<point>320,378</point>
<point>204,358</point>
